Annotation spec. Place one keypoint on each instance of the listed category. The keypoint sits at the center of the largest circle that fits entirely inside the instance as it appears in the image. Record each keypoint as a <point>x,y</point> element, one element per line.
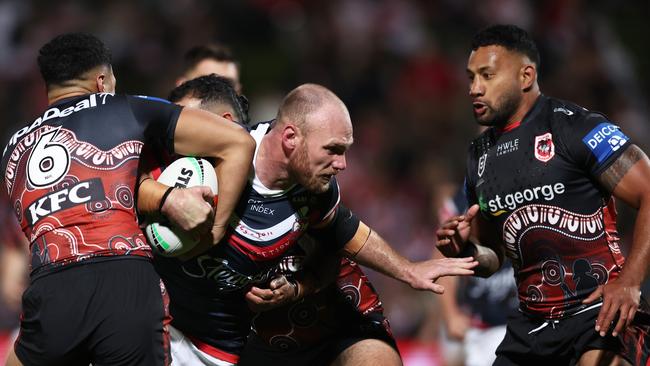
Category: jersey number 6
<point>48,162</point>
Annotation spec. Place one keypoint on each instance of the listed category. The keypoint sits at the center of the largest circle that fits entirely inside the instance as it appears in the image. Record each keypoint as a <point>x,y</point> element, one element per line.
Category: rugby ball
<point>164,238</point>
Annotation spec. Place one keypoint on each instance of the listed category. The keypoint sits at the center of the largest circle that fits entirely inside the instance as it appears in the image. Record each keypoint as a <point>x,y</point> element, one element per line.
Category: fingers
<point>279,282</point>
<point>206,193</point>
<point>604,318</point>
<point>594,296</point>
<point>630,316</point>
<point>436,289</point>
<point>623,313</point>
<point>262,294</point>
<point>455,271</point>
<point>471,212</point>
<point>444,233</point>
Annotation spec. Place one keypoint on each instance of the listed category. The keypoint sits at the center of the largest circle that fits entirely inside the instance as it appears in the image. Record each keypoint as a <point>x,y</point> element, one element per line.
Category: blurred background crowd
<point>399,66</point>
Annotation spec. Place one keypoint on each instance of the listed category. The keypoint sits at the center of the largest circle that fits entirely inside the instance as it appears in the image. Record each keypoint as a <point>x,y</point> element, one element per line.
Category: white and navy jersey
<point>71,174</point>
<point>536,183</point>
<point>207,292</point>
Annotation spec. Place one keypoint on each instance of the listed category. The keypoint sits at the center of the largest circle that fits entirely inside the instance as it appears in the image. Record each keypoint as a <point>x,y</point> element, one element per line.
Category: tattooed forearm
<point>610,177</point>
<point>488,260</point>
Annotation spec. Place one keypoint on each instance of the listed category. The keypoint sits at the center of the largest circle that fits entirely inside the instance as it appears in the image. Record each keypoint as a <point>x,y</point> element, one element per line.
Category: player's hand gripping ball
<point>185,172</point>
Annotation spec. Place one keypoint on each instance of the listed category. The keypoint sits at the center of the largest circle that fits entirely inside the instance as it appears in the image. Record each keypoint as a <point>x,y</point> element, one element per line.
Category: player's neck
<point>59,93</point>
<point>271,164</point>
<point>527,102</point>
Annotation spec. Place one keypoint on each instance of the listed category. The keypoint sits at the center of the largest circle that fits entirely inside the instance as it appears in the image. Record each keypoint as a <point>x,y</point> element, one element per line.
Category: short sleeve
<point>159,117</point>
<point>593,142</point>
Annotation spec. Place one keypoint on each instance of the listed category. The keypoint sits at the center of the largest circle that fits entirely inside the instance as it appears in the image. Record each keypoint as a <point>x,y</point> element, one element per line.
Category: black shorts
<point>258,352</point>
<point>104,312</point>
<point>533,341</point>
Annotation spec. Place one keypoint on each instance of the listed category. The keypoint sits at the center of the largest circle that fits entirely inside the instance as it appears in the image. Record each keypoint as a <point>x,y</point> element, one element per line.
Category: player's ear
<point>228,116</point>
<point>290,137</point>
<point>528,76</point>
<point>105,80</point>
<point>100,81</point>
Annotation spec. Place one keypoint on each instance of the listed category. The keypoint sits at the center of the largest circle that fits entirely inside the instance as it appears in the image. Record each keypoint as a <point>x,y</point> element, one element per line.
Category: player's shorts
<point>105,312</point>
<point>531,341</point>
<point>479,345</point>
<point>259,352</point>
<point>187,353</point>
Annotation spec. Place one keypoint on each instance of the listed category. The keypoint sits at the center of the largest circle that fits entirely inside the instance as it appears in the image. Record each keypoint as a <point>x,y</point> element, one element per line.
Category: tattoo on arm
<point>610,177</point>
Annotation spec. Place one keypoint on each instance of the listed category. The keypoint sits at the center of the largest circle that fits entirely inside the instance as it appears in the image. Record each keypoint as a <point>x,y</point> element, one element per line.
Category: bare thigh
<point>599,357</point>
<point>368,352</point>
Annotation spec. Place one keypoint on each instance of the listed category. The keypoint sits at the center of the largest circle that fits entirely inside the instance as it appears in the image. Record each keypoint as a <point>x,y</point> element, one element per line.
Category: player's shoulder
<point>148,98</point>
<point>566,114</point>
<point>479,145</point>
<point>259,126</point>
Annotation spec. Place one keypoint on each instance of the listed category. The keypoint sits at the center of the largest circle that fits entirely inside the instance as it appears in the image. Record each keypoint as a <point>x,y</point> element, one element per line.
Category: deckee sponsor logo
<point>500,204</point>
<point>507,147</point>
<point>604,140</point>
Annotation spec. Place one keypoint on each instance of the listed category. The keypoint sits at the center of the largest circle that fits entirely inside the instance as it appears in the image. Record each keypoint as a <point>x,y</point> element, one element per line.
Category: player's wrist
<point>630,278</point>
<point>164,199</point>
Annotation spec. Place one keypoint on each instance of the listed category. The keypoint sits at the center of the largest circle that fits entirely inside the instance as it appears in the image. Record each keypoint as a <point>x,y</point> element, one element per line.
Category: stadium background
<point>398,65</point>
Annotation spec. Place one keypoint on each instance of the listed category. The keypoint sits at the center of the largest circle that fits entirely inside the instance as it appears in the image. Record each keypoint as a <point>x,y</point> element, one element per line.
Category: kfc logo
<point>544,148</point>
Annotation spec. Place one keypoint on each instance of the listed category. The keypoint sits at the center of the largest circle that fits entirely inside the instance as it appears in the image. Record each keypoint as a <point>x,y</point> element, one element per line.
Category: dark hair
<point>213,89</point>
<point>510,37</point>
<point>210,51</point>
<point>68,56</point>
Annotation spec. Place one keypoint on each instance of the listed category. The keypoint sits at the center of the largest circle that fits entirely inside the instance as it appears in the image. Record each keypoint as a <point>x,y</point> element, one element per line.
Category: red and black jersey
<point>537,185</point>
<point>71,176</point>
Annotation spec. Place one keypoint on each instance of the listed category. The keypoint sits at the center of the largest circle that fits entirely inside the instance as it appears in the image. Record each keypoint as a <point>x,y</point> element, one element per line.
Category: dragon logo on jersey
<point>544,147</point>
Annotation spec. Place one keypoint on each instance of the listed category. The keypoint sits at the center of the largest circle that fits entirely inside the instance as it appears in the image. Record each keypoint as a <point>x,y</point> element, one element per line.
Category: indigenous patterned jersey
<point>71,175</point>
<point>332,312</point>
<point>207,292</point>
<point>536,183</point>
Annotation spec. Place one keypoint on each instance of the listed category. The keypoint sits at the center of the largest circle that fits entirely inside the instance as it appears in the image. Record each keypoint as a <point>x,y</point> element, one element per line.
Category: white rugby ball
<point>185,172</point>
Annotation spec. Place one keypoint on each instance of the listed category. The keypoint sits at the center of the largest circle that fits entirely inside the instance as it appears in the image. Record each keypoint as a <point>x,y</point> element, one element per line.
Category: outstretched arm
<point>627,178</point>
<point>371,250</point>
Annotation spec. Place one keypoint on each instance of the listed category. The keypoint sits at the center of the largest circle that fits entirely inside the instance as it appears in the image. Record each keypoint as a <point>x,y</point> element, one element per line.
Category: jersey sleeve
<point>593,142</point>
<point>159,117</point>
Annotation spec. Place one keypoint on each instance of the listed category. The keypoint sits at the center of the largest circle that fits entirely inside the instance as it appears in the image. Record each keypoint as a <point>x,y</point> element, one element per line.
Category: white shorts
<point>185,353</point>
<point>480,344</point>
